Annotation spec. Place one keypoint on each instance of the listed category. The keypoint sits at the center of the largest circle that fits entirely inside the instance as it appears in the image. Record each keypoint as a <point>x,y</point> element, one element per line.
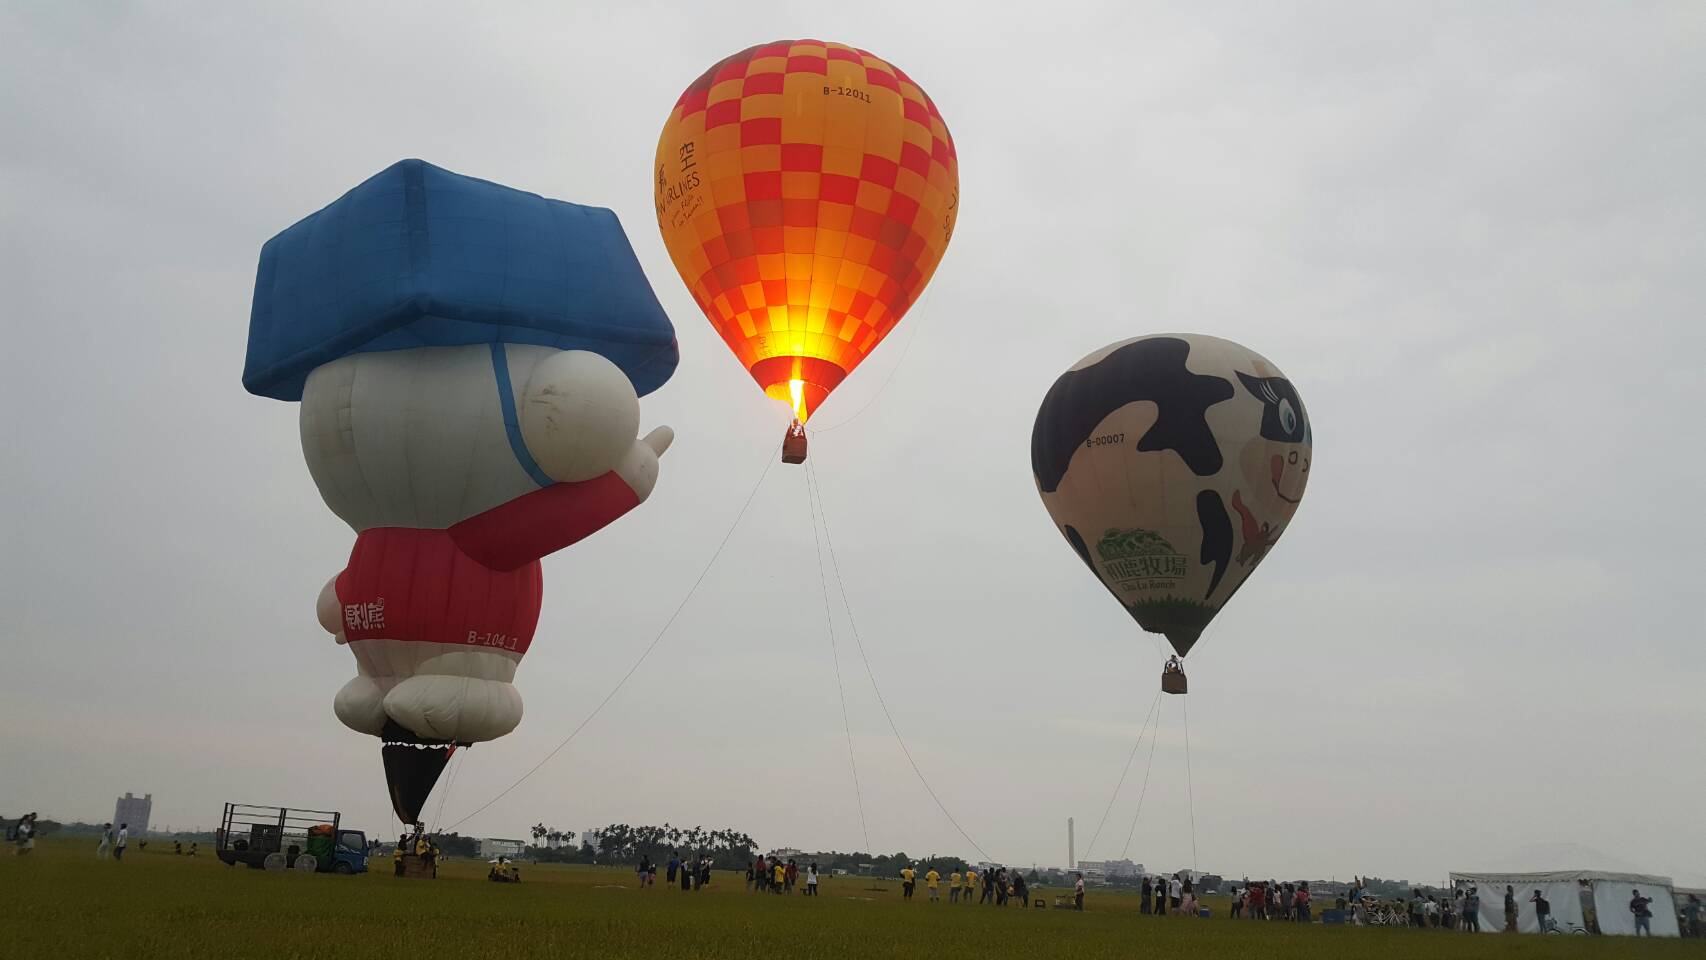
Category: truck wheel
<point>344,869</point>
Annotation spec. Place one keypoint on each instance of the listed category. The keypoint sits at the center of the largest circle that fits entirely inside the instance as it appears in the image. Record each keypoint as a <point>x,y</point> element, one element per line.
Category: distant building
<point>493,847</point>
<point>1111,869</point>
<point>133,810</point>
<point>590,837</point>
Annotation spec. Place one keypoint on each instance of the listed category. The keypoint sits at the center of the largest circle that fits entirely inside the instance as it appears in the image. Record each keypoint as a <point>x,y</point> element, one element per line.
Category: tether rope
<point>835,658</point>
<point>769,461</point>
<point>853,626</point>
<point>1144,792</point>
<point>1190,791</point>
<point>1123,773</point>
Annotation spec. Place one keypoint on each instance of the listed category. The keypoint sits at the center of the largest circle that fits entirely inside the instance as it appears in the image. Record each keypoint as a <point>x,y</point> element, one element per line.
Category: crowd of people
<point>775,875</point>
<point>693,873</point>
<point>1174,896</point>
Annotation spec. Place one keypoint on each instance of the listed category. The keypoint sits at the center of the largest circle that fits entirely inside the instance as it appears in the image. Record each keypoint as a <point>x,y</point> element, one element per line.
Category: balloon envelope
<point>1171,464</point>
<point>806,192</point>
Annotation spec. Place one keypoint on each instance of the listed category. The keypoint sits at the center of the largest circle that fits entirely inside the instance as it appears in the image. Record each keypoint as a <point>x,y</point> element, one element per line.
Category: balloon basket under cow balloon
<point>1173,676</point>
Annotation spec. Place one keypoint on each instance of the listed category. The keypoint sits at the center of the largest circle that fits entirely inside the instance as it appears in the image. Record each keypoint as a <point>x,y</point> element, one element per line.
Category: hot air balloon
<point>469,360</point>
<point>1172,463</point>
<point>806,192</point>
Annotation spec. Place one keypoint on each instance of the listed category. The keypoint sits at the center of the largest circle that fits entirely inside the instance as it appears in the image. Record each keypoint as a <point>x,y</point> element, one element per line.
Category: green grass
<point>61,903</point>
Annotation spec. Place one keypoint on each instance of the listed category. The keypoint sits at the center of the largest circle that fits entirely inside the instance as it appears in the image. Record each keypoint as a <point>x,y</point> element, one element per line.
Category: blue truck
<point>289,838</point>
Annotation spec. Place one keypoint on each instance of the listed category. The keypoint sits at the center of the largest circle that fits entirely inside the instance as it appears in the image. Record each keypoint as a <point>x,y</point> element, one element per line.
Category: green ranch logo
<point>1140,560</point>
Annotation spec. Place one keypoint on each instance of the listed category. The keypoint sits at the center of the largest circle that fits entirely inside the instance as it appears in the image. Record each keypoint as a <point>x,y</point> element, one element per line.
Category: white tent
<point>1609,894</point>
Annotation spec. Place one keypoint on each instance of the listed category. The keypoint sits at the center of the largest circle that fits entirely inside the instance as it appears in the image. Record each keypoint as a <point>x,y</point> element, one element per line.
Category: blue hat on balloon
<point>417,256</point>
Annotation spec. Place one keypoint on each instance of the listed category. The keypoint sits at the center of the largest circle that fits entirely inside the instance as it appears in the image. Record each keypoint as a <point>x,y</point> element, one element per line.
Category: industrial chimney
<point>1071,847</point>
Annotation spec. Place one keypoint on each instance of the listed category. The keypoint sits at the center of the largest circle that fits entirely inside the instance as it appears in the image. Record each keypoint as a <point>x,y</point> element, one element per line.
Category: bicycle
<point>1569,927</point>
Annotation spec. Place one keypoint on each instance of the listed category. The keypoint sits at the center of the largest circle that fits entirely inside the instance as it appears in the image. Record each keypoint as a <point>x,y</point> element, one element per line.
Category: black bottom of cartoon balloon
<point>794,443</point>
<point>1173,676</point>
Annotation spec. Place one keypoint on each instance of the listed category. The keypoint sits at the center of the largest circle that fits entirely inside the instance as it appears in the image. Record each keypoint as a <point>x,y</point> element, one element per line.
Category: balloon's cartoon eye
<point>1288,417</point>
<point>1292,459</point>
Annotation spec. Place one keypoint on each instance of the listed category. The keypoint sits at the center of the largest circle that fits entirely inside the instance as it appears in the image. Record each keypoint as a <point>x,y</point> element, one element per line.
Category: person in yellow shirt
<point>971,884</point>
<point>932,881</point>
<point>954,887</point>
<point>908,879</point>
<point>780,873</point>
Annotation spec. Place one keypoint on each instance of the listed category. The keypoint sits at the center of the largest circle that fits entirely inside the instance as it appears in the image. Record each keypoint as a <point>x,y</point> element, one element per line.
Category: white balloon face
<point>428,437</point>
<point>579,415</point>
<point>1172,464</point>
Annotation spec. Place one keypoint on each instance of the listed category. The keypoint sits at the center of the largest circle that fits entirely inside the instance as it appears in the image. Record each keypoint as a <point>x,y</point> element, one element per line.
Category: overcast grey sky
<point>1472,234</point>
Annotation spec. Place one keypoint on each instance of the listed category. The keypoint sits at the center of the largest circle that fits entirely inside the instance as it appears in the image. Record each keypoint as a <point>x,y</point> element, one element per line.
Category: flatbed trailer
<point>264,837</point>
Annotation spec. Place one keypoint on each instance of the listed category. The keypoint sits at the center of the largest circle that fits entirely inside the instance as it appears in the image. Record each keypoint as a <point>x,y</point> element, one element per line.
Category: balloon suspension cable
<point>461,760</point>
<point>1144,792</point>
<point>769,461</point>
<point>835,658</point>
<point>905,349</point>
<point>853,627</point>
<point>1190,791</point>
<point>1129,758</point>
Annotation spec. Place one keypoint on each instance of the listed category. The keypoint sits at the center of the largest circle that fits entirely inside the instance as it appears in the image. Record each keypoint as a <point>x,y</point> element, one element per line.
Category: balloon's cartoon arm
<point>514,534</point>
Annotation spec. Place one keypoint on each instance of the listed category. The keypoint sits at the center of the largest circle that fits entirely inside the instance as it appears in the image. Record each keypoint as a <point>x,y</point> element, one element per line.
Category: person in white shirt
<point>1175,893</point>
<point>811,880</point>
<point>106,842</point>
<point>123,838</point>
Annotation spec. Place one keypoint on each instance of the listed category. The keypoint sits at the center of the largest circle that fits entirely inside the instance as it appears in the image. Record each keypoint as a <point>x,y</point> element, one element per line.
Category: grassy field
<point>61,903</point>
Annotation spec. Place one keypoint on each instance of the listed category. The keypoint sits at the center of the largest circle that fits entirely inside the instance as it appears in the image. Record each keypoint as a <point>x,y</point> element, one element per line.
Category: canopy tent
<point>1571,893</point>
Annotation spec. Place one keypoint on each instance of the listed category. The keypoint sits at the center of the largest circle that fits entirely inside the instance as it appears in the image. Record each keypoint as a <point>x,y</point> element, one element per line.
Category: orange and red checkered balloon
<point>806,192</point>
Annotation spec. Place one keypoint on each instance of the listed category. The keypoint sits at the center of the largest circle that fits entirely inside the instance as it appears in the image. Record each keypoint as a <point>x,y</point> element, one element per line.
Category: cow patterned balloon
<point>1172,463</point>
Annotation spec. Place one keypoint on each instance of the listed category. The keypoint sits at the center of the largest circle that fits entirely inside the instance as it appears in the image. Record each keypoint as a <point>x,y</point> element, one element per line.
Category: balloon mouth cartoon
<point>1279,474</point>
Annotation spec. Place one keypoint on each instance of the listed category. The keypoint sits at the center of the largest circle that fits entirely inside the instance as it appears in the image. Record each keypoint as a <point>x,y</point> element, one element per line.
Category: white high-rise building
<point>133,810</point>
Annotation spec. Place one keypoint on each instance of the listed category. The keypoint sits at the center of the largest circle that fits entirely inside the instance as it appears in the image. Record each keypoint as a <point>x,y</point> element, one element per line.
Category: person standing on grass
<point>1300,909</point>
<point>24,834</point>
<point>1144,891</point>
<point>988,894</point>
<point>652,873</point>
<point>932,885</point>
<point>1021,892</point>
<point>1160,909</point>
<point>123,841</point>
<point>106,846</point>
<point>1078,893</point>
<point>1418,908</point>
<point>675,864</point>
<point>954,887</point>
<point>1590,914</point>
<point>1691,917</point>
<point>1642,908</point>
<point>750,871</point>
<point>907,877</point>
<point>705,872</point>
<point>1542,910</point>
<point>763,874</point>
<point>1472,910</point>
<point>1237,903</point>
<point>1175,894</point>
<point>811,880</point>
<point>1510,909</point>
<point>970,884</point>
<point>778,874</point>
